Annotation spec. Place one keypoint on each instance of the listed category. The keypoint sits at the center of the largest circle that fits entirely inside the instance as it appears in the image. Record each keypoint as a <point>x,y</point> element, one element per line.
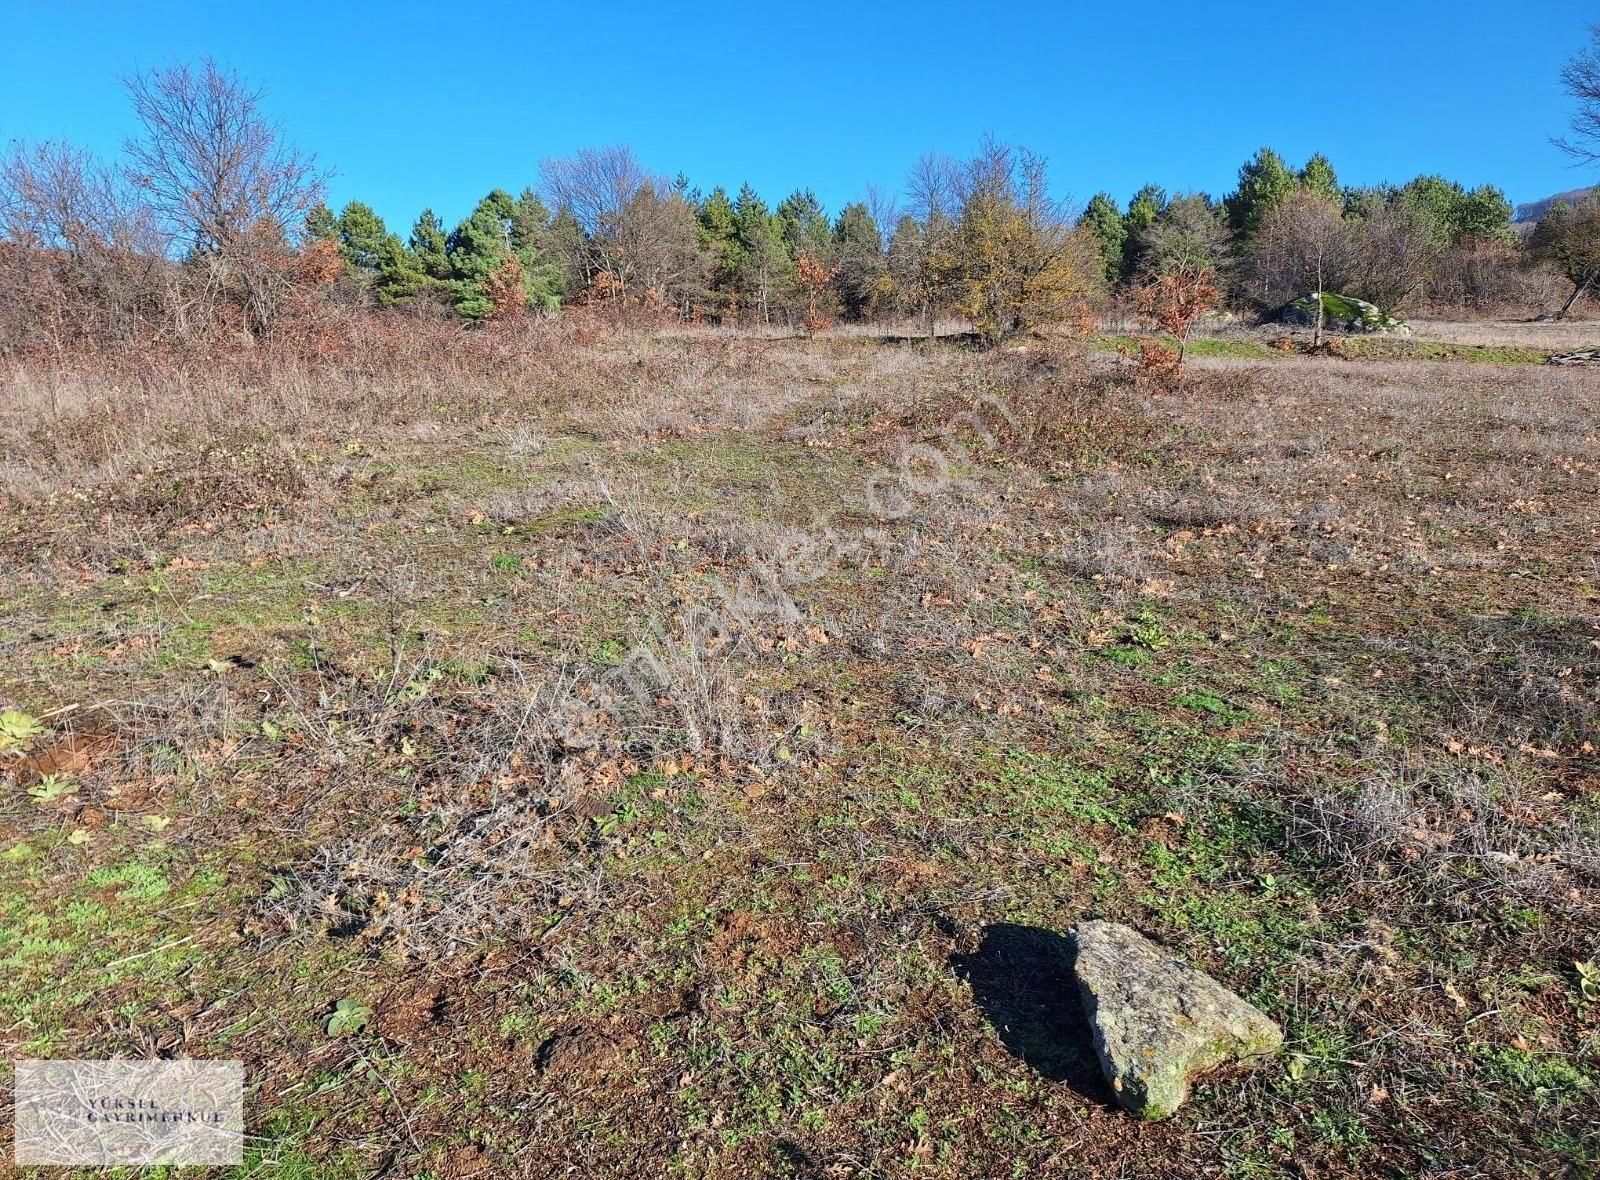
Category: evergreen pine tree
<point>766,260</point>
<point>1484,212</point>
<point>1106,227</point>
<point>804,224</point>
<point>1319,177</point>
<point>321,224</point>
<point>429,244</point>
<point>400,275</point>
<point>1456,214</point>
<point>1144,210</point>
<point>477,249</point>
<point>376,260</point>
<point>362,238</point>
<point>858,256</point>
<point>1264,180</point>
<point>503,226</point>
<point>718,233</point>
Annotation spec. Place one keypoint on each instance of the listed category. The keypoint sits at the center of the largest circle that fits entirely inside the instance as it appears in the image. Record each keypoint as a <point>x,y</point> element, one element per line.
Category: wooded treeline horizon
<point>211,224</point>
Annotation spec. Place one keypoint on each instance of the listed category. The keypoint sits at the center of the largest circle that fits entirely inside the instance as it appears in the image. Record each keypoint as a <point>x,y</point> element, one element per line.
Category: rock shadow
<point>1021,978</point>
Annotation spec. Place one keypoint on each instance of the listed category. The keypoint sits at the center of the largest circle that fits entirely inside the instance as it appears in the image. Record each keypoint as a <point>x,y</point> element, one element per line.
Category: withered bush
<point>242,472</point>
<point>1045,407</point>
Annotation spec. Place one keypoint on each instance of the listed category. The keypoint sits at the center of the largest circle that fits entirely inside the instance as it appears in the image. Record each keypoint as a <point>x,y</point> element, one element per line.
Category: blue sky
<point>435,104</point>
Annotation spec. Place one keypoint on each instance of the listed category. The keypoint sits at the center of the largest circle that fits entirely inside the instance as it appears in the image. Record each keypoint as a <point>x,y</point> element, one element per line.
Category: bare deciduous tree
<point>1486,274</point>
<point>1393,253</point>
<point>220,180</point>
<point>1189,235</point>
<point>1303,244</point>
<point>927,264</point>
<point>1581,77</point>
<point>593,184</point>
<point>211,165</point>
<point>629,233</point>
<point>1567,239</point>
<point>84,257</point>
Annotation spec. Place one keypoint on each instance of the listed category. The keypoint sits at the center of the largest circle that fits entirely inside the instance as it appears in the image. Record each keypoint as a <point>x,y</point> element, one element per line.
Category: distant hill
<point>1534,210</point>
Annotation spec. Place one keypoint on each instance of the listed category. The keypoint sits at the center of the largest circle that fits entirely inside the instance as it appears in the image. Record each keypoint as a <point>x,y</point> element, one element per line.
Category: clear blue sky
<point>434,104</point>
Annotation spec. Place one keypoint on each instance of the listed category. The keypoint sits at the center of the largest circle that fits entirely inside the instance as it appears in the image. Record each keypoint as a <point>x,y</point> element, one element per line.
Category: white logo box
<point>129,1112</point>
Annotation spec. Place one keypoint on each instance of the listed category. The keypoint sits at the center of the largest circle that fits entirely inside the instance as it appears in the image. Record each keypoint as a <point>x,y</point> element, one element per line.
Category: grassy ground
<point>662,770</point>
<point>1365,348</point>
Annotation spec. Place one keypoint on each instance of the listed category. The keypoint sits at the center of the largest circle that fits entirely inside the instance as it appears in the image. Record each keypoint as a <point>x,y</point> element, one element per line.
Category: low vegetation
<point>682,754</point>
<point>642,682</point>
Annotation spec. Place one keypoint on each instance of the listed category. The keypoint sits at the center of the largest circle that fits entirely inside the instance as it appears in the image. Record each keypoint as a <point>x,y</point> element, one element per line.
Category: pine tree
<point>502,226</point>
<point>530,221</point>
<point>545,273</point>
<point>858,254</point>
<point>375,261</point>
<point>321,224</point>
<point>1144,210</point>
<point>1318,177</point>
<point>429,244</point>
<point>1103,222</point>
<point>1264,180</point>
<point>766,262</point>
<point>1362,202</point>
<point>719,240</point>
<point>1483,212</point>
<point>718,222</point>
<point>400,275</point>
<point>362,238</point>
<point>804,224</point>
<point>477,248</point>
<point>1457,215</point>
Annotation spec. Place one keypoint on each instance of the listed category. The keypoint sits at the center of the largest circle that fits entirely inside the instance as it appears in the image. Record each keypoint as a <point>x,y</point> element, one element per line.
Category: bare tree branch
<point>1581,77</point>
<point>212,167</point>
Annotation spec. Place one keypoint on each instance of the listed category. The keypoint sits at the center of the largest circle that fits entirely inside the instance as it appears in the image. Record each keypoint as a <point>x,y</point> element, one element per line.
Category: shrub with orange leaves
<point>1174,300</point>
<point>507,295</point>
<point>318,264</point>
<point>813,277</point>
<point>604,288</point>
<point>1160,362</point>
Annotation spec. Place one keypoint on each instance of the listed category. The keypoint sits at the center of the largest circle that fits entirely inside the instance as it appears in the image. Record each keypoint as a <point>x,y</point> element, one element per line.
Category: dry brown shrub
<point>243,474</point>
<point>813,278</point>
<point>1159,364</point>
<point>1048,407</point>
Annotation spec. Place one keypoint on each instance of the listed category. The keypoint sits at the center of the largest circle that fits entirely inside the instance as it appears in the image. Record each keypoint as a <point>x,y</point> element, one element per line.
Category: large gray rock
<point>1157,1021</point>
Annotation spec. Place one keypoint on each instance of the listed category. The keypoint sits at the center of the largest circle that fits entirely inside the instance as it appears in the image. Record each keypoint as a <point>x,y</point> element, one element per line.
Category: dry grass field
<point>684,756</point>
<point>1556,335</point>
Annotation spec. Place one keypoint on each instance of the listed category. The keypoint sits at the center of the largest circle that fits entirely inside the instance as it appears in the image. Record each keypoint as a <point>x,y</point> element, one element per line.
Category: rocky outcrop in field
<point>1343,313</point>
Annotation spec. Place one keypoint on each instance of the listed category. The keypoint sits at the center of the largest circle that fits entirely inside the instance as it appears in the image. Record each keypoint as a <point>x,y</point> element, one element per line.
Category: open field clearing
<point>686,756</point>
<point>1555,336</point>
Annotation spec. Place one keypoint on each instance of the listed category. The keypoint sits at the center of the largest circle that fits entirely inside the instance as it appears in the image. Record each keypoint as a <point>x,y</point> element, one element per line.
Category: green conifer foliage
<point>1105,226</point>
<point>1319,177</point>
<point>858,254</point>
<point>1264,180</point>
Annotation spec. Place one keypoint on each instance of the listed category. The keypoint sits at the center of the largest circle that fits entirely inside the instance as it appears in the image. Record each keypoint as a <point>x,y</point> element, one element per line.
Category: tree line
<point>600,228</point>
<point>983,238</point>
<point>211,223</point>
